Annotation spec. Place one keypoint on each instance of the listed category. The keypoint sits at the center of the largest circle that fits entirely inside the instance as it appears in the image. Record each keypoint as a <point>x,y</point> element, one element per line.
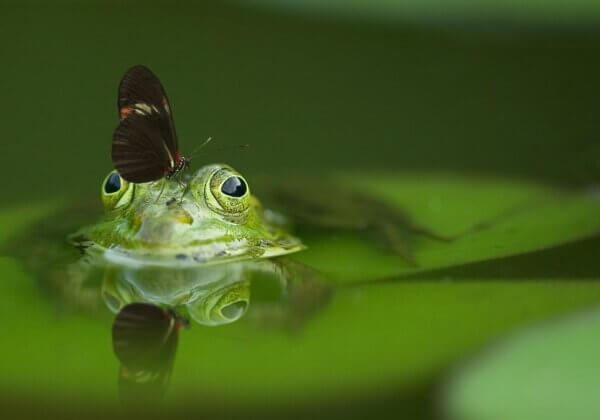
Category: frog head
<point>210,216</point>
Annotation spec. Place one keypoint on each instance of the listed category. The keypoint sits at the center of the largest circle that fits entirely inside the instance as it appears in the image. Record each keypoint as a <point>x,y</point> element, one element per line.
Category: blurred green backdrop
<point>486,88</point>
<point>494,88</point>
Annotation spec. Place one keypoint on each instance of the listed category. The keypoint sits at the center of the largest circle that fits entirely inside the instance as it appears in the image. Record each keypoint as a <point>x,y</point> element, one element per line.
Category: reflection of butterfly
<point>144,146</point>
<point>145,342</point>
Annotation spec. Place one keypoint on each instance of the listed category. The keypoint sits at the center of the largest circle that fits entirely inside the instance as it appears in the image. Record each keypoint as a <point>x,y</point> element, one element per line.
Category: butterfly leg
<point>162,188</point>
<point>184,186</point>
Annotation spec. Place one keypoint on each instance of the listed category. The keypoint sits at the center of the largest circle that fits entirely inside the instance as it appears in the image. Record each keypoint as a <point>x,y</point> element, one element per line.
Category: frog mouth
<point>207,252</point>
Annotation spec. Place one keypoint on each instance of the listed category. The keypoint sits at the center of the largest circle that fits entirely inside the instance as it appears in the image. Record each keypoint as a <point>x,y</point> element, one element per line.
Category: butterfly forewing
<point>139,150</point>
<point>140,85</point>
<point>141,93</point>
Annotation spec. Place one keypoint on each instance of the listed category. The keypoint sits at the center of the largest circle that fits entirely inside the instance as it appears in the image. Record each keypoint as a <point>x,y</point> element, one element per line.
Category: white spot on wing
<point>143,108</point>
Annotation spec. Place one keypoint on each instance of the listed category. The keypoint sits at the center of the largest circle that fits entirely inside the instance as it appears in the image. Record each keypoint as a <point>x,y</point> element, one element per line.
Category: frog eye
<point>234,186</point>
<point>116,192</point>
<point>228,193</point>
<point>221,306</point>
<point>112,183</point>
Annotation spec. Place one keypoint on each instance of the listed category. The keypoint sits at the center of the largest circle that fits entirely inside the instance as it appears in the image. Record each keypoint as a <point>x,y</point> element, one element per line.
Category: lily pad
<point>488,219</point>
<point>546,372</point>
<point>368,339</point>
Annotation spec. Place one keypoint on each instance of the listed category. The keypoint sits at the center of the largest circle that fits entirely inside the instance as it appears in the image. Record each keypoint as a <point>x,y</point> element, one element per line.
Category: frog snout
<point>181,216</point>
<point>161,229</point>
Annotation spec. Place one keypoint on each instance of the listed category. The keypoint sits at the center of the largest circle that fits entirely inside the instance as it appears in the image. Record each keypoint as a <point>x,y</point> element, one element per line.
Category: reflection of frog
<point>284,293</point>
<point>201,249</point>
<point>198,249</point>
<point>209,219</point>
<point>175,249</point>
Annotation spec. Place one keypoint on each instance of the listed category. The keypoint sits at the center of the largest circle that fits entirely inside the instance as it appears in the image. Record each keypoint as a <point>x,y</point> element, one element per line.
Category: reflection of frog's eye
<point>234,186</point>
<point>116,192</point>
<point>228,193</point>
<point>223,305</point>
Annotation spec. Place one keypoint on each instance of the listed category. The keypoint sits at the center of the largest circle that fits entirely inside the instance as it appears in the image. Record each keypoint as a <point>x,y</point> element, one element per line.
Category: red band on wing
<point>125,111</point>
<point>165,104</point>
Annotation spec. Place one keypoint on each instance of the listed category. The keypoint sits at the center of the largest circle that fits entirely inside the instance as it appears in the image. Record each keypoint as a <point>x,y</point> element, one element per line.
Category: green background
<point>459,106</point>
<point>306,91</point>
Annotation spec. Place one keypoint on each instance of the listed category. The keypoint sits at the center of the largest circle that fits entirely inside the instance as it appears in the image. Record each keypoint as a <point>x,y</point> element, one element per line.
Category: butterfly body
<point>181,164</point>
<point>144,146</point>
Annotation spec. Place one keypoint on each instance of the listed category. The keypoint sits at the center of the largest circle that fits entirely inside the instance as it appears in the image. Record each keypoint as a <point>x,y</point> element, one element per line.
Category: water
<point>311,97</point>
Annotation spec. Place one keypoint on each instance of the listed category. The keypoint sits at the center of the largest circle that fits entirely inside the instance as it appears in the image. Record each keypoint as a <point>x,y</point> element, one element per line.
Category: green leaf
<point>367,339</point>
<point>491,218</point>
<point>546,373</point>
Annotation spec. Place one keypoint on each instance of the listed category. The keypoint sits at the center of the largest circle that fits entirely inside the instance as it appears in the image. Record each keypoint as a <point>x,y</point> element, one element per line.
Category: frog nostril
<point>184,217</point>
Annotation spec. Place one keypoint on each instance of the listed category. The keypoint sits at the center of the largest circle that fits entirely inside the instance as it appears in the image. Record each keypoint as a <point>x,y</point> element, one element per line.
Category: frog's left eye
<point>116,192</point>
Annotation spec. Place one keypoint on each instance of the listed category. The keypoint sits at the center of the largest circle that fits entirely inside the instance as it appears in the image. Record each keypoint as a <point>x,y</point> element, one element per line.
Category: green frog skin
<point>209,217</point>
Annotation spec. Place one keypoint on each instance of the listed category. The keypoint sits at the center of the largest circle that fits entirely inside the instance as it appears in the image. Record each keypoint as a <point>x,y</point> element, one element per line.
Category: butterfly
<point>145,340</point>
<point>144,145</point>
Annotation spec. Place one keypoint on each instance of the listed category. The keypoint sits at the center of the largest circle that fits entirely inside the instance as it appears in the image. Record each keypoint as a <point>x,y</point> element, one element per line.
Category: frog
<point>194,244</point>
<point>156,242</point>
<point>171,253</point>
<point>209,218</point>
<point>198,249</point>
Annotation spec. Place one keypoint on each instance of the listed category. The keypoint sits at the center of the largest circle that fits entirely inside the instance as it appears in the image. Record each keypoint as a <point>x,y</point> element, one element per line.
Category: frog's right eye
<point>112,183</point>
<point>116,192</point>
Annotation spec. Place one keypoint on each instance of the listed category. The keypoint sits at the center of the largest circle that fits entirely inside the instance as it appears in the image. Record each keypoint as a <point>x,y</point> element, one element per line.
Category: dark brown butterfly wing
<point>141,93</point>
<point>145,342</point>
<point>144,336</point>
<point>139,150</point>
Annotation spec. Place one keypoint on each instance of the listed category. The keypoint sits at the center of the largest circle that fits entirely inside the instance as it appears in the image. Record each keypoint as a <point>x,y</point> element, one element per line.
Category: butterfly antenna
<point>237,147</point>
<point>197,149</point>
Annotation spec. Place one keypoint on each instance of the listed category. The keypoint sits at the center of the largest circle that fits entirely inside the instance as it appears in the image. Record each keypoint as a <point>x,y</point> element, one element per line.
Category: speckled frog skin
<point>209,217</point>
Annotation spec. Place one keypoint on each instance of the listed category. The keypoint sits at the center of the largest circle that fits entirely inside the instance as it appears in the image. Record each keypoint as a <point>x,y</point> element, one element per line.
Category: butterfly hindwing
<point>145,342</point>
<point>139,150</point>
